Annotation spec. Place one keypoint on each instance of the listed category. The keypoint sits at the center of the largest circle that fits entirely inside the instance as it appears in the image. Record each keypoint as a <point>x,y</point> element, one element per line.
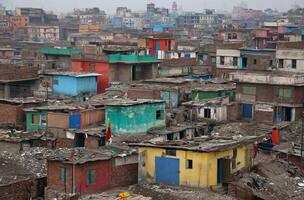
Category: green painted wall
<point>30,127</point>
<point>119,58</point>
<point>202,95</point>
<point>136,118</point>
<point>55,51</point>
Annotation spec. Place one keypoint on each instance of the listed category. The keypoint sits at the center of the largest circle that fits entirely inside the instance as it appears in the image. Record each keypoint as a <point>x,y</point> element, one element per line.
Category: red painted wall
<point>103,176</point>
<point>100,67</point>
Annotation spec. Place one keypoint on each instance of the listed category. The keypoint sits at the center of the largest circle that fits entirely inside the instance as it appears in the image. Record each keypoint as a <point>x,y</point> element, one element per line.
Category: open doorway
<point>79,140</point>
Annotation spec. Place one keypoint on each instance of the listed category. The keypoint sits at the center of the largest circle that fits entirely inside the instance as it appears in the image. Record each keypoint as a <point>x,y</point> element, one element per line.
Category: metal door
<point>75,121</point>
<point>219,171</point>
<point>247,111</point>
<point>167,170</point>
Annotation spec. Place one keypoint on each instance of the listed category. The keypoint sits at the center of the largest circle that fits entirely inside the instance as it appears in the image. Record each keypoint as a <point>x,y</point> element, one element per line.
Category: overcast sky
<point>139,5</point>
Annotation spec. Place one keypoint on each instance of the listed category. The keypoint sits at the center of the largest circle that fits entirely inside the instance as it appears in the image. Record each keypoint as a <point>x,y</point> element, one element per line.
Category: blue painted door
<point>219,171</point>
<point>157,46</point>
<point>75,121</point>
<point>247,111</point>
<point>167,170</point>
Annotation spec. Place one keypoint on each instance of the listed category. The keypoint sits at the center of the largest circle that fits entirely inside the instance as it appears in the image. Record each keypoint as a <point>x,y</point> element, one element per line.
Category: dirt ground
<point>159,192</point>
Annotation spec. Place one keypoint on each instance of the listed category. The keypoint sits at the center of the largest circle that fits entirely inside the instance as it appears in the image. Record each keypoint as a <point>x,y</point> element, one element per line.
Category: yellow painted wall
<point>204,170</point>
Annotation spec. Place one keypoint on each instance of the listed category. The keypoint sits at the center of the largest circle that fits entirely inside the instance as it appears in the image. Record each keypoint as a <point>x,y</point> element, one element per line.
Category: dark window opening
<point>235,61</point>
<point>189,164</point>
<point>207,113</point>
<point>254,61</point>
<point>182,135</point>
<point>170,152</point>
<point>294,64</point>
<point>222,60</point>
<point>159,115</point>
<point>170,136</point>
<point>281,63</point>
<point>270,62</point>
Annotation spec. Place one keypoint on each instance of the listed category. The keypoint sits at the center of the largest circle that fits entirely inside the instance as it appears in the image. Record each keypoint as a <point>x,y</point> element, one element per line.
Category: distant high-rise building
<point>150,8</point>
<point>174,6</point>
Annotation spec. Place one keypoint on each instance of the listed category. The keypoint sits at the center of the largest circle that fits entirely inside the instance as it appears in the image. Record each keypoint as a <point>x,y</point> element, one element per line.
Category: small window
<point>249,90</point>
<point>285,92</point>
<point>159,115</point>
<point>234,36</point>
<point>43,119</point>
<point>254,61</point>
<point>63,175</point>
<point>270,63</point>
<point>235,61</point>
<point>92,67</point>
<point>207,113</point>
<point>91,177</point>
<point>213,60</point>
<point>222,60</point>
<point>281,63</point>
<point>170,152</point>
<point>294,64</point>
<point>55,82</point>
<point>189,164</point>
<point>35,119</point>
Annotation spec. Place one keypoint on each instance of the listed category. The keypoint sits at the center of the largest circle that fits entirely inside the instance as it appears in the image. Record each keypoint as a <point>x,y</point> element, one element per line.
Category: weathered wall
<point>58,120</point>
<point>136,118</point>
<point>92,117</point>
<point>32,188</point>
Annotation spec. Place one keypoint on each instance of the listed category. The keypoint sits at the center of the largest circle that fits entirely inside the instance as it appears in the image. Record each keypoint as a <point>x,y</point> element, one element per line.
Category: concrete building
<point>58,58</point>
<point>290,57</point>
<point>269,96</point>
<point>18,21</point>
<point>43,33</point>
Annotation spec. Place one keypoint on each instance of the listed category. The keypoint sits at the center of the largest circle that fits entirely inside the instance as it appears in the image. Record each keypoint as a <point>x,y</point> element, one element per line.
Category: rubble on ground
<point>28,164</point>
<point>272,180</point>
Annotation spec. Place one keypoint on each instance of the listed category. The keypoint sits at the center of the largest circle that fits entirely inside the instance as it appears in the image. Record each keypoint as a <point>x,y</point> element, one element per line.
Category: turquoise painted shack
<point>74,84</point>
<point>128,117</point>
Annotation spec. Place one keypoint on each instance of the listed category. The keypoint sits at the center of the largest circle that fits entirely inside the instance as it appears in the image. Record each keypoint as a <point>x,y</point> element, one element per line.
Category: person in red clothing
<point>275,136</point>
<point>255,149</point>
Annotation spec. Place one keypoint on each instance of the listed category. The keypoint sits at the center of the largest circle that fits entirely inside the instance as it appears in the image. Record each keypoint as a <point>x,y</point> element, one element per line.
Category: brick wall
<point>15,72</point>
<point>290,45</point>
<point>269,93</point>
<point>143,93</point>
<point>261,116</point>
<point>11,115</point>
<point>233,112</point>
<point>124,175</point>
<point>262,61</point>
<point>23,189</point>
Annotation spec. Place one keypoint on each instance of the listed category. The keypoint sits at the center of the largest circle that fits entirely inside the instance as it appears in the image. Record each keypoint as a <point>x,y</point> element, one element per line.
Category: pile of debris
<point>275,179</point>
<point>28,164</point>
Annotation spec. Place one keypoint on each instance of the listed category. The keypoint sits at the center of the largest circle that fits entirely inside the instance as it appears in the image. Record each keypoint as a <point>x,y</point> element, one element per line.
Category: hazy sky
<point>140,5</point>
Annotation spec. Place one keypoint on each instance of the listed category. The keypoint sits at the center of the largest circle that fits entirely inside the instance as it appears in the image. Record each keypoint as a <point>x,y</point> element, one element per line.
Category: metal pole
<point>302,140</point>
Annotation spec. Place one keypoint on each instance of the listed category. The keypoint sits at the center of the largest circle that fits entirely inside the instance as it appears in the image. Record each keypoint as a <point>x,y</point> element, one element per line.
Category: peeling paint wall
<point>136,118</point>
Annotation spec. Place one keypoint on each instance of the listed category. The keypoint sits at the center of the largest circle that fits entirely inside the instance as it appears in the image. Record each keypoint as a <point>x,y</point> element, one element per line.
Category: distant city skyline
<point>60,6</point>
